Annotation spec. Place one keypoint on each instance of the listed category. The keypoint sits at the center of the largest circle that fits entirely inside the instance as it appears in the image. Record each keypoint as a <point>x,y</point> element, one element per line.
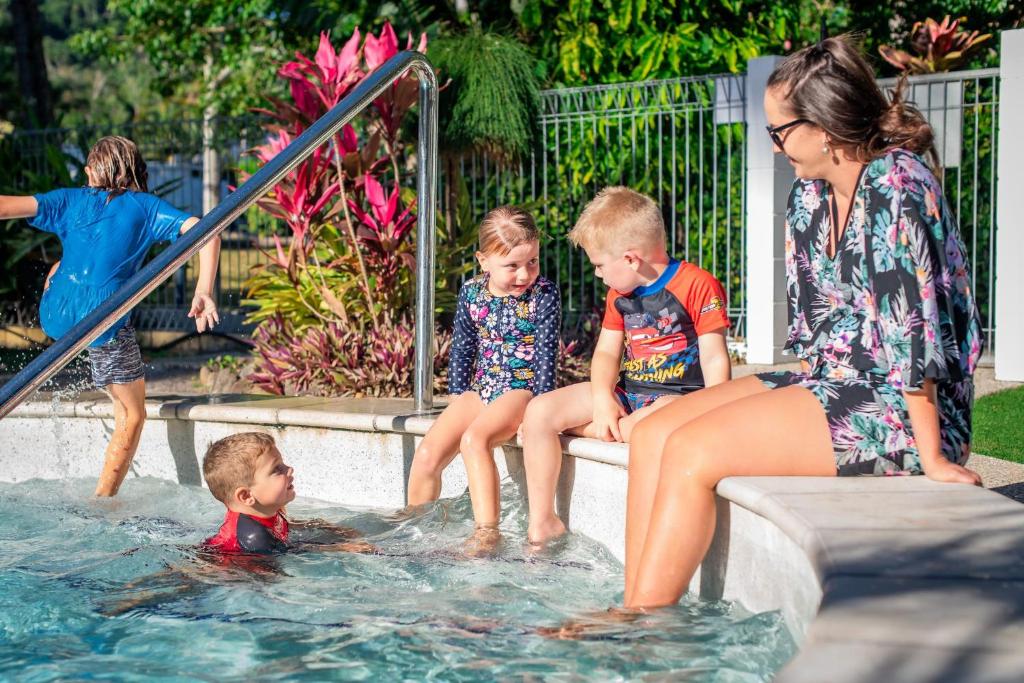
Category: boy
<point>669,314</point>
<point>247,473</point>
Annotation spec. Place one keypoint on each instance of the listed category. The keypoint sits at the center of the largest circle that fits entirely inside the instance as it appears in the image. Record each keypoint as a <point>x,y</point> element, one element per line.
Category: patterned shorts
<point>634,402</point>
<point>119,361</point>
<point>868,422</point>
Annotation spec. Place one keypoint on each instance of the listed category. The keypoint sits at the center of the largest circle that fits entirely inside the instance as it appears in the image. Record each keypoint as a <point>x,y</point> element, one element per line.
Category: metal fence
<point>682,141</point>
<point>962,108</point>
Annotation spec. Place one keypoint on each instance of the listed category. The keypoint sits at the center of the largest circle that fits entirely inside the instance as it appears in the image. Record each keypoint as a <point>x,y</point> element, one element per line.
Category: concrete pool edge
<point>882,578</point>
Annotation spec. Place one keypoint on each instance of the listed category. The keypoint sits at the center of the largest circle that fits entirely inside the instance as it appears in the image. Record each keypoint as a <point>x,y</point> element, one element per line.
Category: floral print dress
<point>892,309</point>
<point>502,343</point>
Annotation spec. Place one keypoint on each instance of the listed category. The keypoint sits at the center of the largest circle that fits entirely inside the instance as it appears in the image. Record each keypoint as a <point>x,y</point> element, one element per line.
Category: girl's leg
<point>784,432</point>
<point>496,423</point>
<point>548,415</point>
<point>129,416</point>
<point>439,446</point>
<point>647,442</point>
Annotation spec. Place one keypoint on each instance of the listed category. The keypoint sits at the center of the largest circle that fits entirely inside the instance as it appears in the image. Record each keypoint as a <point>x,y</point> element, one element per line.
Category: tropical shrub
<point>939,47</point>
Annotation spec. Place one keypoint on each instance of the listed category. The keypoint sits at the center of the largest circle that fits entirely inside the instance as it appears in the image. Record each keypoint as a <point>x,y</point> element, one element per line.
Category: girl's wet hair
<point>505,228</point>
<point>832,85</point>
<point>117,166</point>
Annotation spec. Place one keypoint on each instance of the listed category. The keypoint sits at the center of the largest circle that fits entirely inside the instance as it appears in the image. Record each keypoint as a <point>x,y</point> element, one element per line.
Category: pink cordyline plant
<point>383,227</point>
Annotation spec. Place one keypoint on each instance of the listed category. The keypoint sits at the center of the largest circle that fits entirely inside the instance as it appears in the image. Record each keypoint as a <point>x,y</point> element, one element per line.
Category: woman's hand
<point>943,470</point>
<point>204,310</point>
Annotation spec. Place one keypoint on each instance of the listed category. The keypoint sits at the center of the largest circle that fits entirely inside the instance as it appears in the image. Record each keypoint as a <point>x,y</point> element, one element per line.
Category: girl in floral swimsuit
<point>881,316</point>
<point>503,354</point>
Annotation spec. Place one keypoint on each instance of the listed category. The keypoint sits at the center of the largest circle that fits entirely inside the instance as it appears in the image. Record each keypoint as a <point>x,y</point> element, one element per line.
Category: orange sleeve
<point>705,301</point>
<point>612,317</point>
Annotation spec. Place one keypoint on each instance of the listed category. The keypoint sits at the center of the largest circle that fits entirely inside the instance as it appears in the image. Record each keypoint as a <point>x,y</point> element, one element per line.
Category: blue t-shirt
<point>104,244</point>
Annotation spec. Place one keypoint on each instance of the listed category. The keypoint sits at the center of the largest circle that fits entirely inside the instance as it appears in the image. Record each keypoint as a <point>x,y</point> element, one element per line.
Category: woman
<point>881,316</point>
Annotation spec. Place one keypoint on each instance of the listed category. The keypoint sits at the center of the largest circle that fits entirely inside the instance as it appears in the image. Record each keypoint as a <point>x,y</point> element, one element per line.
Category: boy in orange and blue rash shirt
<point>670,317</point>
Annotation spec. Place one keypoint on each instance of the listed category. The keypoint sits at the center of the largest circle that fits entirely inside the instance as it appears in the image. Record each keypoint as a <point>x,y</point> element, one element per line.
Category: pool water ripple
<point>115,589</point>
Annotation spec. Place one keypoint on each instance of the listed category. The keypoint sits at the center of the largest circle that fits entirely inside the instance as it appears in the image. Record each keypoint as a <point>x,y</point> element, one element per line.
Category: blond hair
<point>231,462</point>
<point>117,166</point>
<point>505,228</point>
<point>618,219</point>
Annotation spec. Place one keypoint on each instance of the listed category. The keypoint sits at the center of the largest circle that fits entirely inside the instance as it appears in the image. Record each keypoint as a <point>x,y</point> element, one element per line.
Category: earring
<point>825,149</point>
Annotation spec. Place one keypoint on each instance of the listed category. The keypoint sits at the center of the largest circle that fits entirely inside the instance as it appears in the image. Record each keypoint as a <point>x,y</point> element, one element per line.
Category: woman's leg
<point>439,446</point>
<point>784,432</point>
<point>496,423</point>
<point>546,417</point>
<point>647,442</point>
<point>129,416</point>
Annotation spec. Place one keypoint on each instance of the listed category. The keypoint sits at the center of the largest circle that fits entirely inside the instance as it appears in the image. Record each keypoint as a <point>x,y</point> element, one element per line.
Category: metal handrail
<point>63,350</point>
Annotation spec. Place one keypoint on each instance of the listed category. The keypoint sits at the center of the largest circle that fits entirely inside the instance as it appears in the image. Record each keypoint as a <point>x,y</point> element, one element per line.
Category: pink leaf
<point>326,59</point>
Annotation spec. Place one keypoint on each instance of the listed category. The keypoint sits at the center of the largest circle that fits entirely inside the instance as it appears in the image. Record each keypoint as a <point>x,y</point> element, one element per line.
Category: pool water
<point>86,592</point>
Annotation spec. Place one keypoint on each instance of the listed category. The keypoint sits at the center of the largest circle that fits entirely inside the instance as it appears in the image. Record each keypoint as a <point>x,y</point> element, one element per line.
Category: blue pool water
<point>71,568</point>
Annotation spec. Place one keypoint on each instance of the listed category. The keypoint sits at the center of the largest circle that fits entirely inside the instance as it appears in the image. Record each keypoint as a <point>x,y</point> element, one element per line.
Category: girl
<point>503,354</point>
<point>105,230</point>
<point>881,316</point>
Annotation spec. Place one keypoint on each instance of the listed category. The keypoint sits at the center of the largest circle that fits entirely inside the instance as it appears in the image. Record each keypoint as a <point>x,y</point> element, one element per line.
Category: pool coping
<point>919,580</point>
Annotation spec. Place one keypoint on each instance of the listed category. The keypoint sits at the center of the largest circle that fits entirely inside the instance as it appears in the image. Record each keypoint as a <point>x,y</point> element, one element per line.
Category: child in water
<point>503,354</point>
<point>106,229</point>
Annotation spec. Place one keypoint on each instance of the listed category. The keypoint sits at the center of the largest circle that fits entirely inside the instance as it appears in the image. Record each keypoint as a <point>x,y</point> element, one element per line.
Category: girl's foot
<point>483,542</point>
<point>540,533</point>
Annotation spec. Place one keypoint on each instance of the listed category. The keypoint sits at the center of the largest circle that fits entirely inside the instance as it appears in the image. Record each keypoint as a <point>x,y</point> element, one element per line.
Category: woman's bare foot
<point>483,542</point>
<point>543,531</point>
<point>596,623</point>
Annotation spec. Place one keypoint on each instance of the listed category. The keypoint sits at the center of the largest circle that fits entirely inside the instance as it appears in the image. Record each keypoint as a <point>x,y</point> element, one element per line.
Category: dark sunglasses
<point>773,133</point>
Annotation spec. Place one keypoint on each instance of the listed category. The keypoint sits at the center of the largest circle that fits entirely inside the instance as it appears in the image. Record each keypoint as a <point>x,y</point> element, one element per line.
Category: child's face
<point>514,272</point>
<point>619,272</point>
<point>272,485</point>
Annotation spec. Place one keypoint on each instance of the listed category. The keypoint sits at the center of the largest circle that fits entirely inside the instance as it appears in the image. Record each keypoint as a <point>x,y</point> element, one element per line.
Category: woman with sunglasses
<point>882,319</point>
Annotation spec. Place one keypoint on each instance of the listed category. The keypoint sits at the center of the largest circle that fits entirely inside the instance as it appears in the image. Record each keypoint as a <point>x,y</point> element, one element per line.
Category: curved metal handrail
<point>160,268</point>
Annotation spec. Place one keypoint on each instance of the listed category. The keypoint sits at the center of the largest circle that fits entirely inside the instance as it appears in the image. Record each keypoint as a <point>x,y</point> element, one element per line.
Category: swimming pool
<point>419,610</point>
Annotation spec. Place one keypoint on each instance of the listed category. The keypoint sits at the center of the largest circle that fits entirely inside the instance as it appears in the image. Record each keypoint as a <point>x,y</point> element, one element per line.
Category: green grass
<point>999,425</point>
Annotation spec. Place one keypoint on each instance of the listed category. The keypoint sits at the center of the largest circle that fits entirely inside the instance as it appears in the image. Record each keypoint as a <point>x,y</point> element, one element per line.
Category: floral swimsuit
<point>893,308</point>
<point>503,343</point>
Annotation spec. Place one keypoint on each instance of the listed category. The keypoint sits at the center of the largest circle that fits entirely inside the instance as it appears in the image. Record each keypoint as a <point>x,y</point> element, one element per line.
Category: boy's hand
<point>607,413</point>
<point>350,547</point>
<point>940,469</point>
<point>204,310</point>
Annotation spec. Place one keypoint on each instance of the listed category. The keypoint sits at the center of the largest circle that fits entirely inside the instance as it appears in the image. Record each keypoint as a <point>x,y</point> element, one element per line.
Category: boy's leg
<point>129,416</point>
<point>569,409</point>
<point>439,447</point>
<point>496,423</point>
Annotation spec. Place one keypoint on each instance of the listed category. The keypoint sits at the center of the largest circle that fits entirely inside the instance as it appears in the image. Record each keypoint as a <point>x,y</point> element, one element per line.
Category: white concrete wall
<point>1009,294</point>
<point>769,180</point>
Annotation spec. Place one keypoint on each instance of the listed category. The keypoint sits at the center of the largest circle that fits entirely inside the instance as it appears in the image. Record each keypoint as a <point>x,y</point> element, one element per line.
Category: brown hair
<point>117,166</point>
<point>832,85</point>
<point>505,228</point>
<point>618,219</point>
<point>231,462</point>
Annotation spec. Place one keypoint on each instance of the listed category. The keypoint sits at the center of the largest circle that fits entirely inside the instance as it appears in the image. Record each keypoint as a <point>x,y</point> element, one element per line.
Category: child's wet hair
<point>117,166</point>
<point>231,462</point>
<point>619,219</point>
<point>505,228</point>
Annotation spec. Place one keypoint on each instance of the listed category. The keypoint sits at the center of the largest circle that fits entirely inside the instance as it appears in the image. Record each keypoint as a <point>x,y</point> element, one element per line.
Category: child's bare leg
<point>548,415</point>
<point>784,433</point>
<point>496,423</point>
<point>439,447</point>
<point>129,416</point>
<point>646,446</point>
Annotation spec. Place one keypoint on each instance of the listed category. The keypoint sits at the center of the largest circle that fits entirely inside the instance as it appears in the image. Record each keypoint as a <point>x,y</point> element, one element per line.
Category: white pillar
<point>769,181</point>
<point>1009,301</point>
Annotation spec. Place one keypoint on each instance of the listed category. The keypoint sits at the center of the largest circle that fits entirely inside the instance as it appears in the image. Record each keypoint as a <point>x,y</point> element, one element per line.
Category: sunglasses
<point>774,133</point>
